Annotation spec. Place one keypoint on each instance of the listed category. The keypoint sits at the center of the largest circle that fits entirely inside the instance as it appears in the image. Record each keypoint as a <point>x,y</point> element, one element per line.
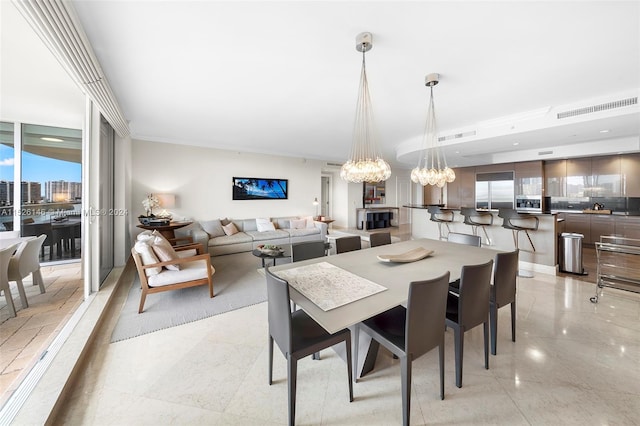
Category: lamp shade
<point>166,201</point>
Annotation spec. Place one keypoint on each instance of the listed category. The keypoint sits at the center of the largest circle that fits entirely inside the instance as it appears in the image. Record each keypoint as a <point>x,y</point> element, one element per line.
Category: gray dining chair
<point>346,244</point>
<point>5,256</point>
<point>26,261</point>
<point>503,293</point>
<point>307,250</point>
<point>298,336</point>
<point>468,239</point>
<point>412,332</point>
<point>469,309</point>
<point>379,239</point>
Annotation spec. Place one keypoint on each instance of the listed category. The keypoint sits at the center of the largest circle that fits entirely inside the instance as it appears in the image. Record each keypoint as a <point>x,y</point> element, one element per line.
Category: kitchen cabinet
<point>528,178</point>
<point>555,174</point>
<point>630,175</point>
<point>628,226</point>
<point>601,225</point>
<point>578,223</point>
<point>461,192</point>
<point>605,177</point>
<point>578,178</point>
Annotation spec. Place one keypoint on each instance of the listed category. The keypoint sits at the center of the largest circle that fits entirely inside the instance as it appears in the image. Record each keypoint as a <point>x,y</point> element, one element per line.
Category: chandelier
<point>432,166</point>
<point>364,164</point>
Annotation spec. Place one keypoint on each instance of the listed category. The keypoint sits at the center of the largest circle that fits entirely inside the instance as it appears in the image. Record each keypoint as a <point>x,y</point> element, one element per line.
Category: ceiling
<point>282,77</point>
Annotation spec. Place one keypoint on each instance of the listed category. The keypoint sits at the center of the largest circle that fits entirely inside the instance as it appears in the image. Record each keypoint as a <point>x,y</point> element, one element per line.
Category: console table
<point>166,230</point>
<point>375,217</point>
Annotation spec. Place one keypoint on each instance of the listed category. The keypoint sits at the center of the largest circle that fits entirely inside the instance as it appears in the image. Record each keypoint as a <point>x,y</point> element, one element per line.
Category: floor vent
<point>597,108</point>
<point>457,136</point>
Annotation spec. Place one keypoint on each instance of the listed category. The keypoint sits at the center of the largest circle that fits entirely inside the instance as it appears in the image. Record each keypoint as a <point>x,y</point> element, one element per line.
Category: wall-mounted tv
<point>260,189</point>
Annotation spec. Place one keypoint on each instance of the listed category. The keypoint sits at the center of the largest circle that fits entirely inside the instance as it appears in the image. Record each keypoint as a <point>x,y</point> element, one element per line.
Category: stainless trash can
<point>571,252</point>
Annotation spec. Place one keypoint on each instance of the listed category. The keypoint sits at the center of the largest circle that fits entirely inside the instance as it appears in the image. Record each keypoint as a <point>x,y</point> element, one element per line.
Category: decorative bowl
<point>270,250</point>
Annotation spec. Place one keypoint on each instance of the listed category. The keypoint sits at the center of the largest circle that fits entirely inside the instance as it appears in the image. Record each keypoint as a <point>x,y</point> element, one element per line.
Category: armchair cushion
<point>165,252</point>
<point>213,228</point>
<point>189,271</point>
<point>143,248</point>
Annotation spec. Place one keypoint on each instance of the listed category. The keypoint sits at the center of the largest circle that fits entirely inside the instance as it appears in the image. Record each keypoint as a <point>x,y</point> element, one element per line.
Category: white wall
<point>201,180</point>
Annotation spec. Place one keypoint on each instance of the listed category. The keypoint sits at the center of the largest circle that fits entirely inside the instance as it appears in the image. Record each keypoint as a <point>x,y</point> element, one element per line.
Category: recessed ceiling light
<point>604,131</point>
<point>516,143</point>
<point>51,139</point>
<point>457,152</point>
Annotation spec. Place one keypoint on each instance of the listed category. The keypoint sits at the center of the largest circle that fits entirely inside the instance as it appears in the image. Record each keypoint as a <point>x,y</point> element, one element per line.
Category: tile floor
<point>574,362</point>
<point>24,337</point>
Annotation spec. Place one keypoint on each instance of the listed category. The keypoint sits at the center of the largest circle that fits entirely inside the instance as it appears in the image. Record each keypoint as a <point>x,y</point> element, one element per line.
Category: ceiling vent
<point>456,136</point>
<point>333,164</point>
<point>597,108</point>
<point>545,152</point>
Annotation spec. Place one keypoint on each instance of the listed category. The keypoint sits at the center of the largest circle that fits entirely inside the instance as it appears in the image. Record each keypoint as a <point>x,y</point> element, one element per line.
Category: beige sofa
<point>211,236</point>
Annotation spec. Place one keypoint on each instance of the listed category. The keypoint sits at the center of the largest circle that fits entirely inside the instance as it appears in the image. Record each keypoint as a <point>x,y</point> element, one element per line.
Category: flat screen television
<point>260,189</point>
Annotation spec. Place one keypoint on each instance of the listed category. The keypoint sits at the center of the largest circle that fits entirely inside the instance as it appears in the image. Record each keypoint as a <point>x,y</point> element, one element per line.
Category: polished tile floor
<point>24,337</point>
<point>574,362</point>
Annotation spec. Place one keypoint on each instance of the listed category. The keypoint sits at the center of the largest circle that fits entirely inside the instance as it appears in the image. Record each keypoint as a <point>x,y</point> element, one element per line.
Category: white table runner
<point>329,286</point>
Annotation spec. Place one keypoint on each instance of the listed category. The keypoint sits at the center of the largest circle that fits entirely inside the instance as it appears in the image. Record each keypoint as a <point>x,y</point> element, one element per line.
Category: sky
<point>36,168</point>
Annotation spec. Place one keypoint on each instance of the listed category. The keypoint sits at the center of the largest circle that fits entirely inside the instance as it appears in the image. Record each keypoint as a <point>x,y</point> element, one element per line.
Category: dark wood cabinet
<point>578,223</point>
<point>461,192</point>
<point>555,175</point>
<point>630,175</point>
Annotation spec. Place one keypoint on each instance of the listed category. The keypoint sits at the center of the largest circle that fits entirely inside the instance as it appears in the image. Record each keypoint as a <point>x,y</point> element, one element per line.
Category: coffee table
<point>263,256</point>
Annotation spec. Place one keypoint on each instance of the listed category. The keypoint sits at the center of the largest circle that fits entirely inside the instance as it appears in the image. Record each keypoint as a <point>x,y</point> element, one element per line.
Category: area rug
<point>236,284</point>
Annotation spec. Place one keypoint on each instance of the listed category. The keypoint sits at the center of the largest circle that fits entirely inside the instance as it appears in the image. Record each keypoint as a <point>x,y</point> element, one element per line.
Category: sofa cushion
<point>297,224</point>
<point>237,238</point>
<point>310,221</point>
<point>264,225</point>
<point>213,228</point>
<point>303,232</point>
<point>268,235</point>
<point>230,229</point>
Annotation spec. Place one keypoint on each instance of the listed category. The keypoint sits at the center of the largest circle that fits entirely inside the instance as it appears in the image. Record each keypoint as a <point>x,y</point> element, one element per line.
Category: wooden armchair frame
<point>147,289</point>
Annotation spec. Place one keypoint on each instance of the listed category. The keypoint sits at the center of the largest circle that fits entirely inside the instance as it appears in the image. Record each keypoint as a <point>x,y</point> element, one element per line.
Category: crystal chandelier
<point>364,164</point>
<point>432,166</point>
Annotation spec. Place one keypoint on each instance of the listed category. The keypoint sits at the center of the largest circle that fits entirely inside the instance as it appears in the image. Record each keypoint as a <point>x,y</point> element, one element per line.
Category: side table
<point>168,231</point>
<point>263,256</point>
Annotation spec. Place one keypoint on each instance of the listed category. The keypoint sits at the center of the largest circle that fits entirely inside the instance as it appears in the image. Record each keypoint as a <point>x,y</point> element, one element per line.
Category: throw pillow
<point>298,223</point>
<point>165,252</point>
<point>213,228</point>
<point>230,228</point>
<point>144,235</point>
<point>143,248</point>
<point>264,224</point>
<point>310,222</point>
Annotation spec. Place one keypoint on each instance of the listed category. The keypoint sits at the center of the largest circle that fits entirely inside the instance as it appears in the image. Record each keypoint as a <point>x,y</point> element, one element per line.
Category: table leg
<point>367,346</point>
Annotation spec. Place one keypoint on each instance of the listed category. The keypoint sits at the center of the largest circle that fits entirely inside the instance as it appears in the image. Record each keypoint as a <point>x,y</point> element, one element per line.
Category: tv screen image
<point>260,189</point>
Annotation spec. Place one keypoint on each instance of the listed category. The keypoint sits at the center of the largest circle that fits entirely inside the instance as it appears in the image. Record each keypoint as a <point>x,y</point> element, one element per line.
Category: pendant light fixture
<point>432,166</point>
<point>364,164</point>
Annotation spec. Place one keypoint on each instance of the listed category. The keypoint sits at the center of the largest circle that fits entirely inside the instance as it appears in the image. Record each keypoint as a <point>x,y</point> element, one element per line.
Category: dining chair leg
<point>513,321</point>
<point>485,327</point>
<point>270,360</point>
<point>405,368</point>
<point>493,321</point>
<point>458,337</point>
<point>7,295</point>
<point>23,295</point>
<point>441,356</point>
<point>349,368</point>
<point>37,279</point>
<point>292,367</point>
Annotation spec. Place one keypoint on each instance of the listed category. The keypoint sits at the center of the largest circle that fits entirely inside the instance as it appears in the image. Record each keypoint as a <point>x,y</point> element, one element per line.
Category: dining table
<point>370,268</point>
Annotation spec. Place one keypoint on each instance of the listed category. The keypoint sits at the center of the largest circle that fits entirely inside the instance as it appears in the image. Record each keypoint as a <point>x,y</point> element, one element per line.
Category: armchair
<point>193,264</point>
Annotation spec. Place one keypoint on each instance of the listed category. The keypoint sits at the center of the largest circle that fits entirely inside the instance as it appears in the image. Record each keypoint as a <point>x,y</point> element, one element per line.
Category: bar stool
<point>476,219</point>
<point>518,222</point>
<point>441,216</point>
